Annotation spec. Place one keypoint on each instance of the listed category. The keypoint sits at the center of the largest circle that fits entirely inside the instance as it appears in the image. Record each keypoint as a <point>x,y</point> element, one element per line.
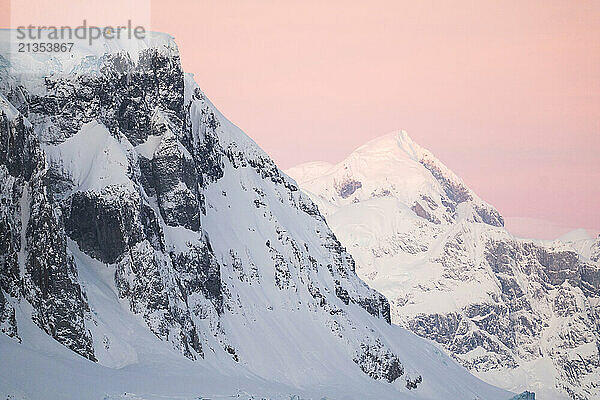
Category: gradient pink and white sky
<point>506,94</point>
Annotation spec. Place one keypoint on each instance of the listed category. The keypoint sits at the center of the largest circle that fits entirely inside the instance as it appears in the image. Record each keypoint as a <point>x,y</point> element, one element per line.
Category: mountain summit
<point>395,166</point>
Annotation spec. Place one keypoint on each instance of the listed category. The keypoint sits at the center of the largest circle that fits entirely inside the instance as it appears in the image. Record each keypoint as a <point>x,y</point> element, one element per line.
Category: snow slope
<point>520,314</point>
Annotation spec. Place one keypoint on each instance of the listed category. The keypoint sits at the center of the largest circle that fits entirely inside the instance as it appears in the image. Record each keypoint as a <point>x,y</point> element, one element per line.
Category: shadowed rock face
<point>537,285</point>
<point>595,253</point>
<point>114,224</point>
<point>124,97</point>
<point>49,281</point>
<point>201,274</point>
<point>458,193</point>
<point>379,364</point>
<point>490,216</point>
<point>104,229</point>
<point>174,180</point>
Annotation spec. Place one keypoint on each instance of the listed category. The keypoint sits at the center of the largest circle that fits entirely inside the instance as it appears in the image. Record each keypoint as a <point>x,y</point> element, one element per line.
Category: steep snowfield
<point>151,250</point>
<point>520,314</point>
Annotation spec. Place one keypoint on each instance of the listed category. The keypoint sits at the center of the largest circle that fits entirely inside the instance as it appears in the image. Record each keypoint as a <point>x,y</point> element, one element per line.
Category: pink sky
<point>507,95</point>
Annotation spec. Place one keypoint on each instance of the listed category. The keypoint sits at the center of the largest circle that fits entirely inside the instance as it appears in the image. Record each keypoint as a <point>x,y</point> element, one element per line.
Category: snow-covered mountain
<point>149,249</point>
<point>518,313</point>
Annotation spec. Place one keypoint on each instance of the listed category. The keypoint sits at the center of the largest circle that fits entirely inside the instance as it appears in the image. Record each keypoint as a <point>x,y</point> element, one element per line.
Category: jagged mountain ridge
<point>518,313</point>
<point>144,232</point>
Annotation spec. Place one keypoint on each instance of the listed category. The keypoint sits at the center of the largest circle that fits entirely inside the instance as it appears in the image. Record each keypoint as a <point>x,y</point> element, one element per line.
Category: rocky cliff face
<point>36,264</point>
<point>541,305</point>
<point>521,314</point>
<point>127,198</point>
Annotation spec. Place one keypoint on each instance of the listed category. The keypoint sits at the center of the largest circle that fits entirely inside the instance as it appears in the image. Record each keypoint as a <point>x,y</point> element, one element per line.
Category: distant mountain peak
<point>500,305</point>
<point>395,165</point>
<point>394,145</point>
<point>395,140</point>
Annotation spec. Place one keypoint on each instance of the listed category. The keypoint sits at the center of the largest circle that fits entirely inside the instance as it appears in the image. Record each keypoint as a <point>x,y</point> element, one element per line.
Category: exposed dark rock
<point>51,284</point>
<point>457,192</point>
<point>175,184</point>
<point>413,383</point>
<point>377,305</point>
<point>198,272</point>
<point>524,396</point>
<point>441,328</point>
<point>379,363</point>
<point>103,224</point>
<point>429,201</point>
<point>489,215</point>
<point>50,281</point>
<point>509,327</point>
<point>17,146</point>
<point>8,321</point>
<point>10,233</point>
<point>595,250</point>
<point>421,212</point>
<point>347,188</point>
